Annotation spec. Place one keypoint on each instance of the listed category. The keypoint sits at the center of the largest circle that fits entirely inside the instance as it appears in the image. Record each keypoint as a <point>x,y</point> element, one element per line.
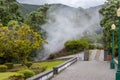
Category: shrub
<point>3,68</point>
<point>76,45</point>
<point>38,69</point>
<point>2,61</point>
<point>99,46</point>
<point>116,52</point>
<point>90,52</point>
<point>1,25</point>
<point>9,65</point>
<point>18,67</point>
<point>52,56</point>
<point>28,64</point>
<point>16,77</point>
<point>92,46</point>
<point>27,73</point>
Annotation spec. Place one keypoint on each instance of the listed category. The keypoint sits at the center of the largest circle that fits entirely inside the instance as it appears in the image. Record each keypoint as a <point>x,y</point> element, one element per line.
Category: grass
<point>49,65</point>
<point>5,75</point>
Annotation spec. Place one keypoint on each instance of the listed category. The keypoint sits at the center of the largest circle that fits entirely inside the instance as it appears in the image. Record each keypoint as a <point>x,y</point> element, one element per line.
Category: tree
<point>9,10</point>
<point>19,41</point>
<point>108,11</point>
<point>36,18</point>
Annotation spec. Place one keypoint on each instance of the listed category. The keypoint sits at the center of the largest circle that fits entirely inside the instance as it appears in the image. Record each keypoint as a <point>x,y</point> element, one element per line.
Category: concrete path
<point>95,69</point>
<point>79,55</point>
<point>97,55</point>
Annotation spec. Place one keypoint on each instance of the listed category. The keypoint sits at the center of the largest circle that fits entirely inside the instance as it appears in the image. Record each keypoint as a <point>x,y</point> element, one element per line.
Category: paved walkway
<point>97,55</point>
<point>80,55</point>
<point>95,69</point>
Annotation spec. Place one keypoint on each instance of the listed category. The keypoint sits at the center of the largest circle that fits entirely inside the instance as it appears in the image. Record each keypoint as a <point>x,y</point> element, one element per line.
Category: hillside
<point>27,8</point>
<point>67,23</point>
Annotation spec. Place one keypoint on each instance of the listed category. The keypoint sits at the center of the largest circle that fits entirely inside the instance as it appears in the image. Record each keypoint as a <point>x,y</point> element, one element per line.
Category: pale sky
<point>72,3</point>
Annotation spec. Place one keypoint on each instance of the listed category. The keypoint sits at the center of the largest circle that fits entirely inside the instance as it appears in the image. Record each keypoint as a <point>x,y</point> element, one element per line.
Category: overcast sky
<point>72,3</point>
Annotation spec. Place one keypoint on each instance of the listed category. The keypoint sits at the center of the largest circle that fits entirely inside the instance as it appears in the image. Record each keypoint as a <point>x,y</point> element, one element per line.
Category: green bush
<point>9,65</point>
<point>116,50</point>
<point>27,73</point>
<point>76,45</point>
<point>3,68</point>
<point>90,52</point>
<point>16,77</point>
<point>38,69</point>
<point>1,25</point>
<point>28,64</point>
<point>92,46</point>
<point>99,46</point>
<point>52,56</point>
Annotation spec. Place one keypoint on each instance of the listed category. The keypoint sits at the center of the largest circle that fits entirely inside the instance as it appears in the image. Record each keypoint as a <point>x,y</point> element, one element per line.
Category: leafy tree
<point>9,10</point>
<point>18,42</point>
<point>109,17</point>
<point>37,18</point>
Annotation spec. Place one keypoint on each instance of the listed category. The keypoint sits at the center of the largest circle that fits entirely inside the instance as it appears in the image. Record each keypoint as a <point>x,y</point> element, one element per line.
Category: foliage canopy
<point>9,10</point>
<point>18,41</point>
<point>108,11</point>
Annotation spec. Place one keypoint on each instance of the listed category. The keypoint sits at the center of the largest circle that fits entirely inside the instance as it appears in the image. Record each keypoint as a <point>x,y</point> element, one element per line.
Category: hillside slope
<point>27,8</point>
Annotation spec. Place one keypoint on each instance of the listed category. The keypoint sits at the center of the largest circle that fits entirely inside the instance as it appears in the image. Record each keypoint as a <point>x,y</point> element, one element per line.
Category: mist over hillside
<point>68,23</point>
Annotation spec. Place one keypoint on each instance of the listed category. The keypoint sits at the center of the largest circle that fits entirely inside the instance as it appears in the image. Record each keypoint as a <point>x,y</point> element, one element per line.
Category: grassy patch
<point>17,67</point>
<point>49,65</point>
<point>5,75</point>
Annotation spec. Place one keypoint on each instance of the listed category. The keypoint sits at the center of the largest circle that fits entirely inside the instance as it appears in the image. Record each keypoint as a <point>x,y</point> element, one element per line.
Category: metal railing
<point>49,74</point>
<point>43,76</point>
<point>61,67</point>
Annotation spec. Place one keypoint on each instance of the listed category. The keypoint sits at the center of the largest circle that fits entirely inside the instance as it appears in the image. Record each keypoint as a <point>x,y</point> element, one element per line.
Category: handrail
<point>42,76</point>
<point>49,74</point>
<point>66,62</point>
<point>61,67</point>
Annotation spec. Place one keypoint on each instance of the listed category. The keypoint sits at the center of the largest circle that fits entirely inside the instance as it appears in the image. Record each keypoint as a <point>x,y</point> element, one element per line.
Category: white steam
<point>67,23</point>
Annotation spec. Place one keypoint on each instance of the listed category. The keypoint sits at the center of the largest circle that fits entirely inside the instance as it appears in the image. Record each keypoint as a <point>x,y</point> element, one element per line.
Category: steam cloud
<point>67,23</point>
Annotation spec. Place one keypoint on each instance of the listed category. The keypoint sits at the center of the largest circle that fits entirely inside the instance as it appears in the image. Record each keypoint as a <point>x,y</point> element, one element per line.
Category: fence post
<point>105,55</point>
<point>86,55</point>
<point>55,70</point>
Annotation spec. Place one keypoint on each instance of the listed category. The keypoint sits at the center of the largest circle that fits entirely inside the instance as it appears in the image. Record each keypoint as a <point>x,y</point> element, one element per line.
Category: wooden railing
<point>49,74</point>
